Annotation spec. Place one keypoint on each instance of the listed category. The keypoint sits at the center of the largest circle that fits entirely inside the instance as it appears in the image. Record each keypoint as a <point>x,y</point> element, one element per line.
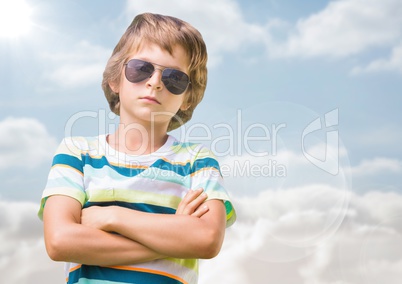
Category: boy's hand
<point>192,205</point>
<point>96,217</point>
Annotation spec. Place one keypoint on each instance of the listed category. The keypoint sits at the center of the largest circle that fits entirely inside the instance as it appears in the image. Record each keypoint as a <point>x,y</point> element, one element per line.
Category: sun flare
<point>15,18</point>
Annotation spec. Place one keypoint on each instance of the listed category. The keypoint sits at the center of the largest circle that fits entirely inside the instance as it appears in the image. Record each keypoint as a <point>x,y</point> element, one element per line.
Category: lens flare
<point>15,19</point>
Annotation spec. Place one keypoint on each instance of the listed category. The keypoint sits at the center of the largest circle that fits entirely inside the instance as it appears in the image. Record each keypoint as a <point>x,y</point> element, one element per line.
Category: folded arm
<point>182,235</point>
<point>67,239</point>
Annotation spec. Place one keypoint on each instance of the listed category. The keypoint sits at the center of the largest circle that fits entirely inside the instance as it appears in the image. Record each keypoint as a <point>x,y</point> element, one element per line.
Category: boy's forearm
<point>68,240</point>
<point>84,245</point>
<point>180,236</point>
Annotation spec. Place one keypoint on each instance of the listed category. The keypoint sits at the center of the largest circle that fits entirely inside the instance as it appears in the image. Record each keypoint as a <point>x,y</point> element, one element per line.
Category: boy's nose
<point>155,80</point>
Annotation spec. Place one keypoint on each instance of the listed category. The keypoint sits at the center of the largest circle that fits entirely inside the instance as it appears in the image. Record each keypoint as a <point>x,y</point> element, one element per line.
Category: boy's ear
<point>186,102</point>
<point>115,87</point>
<point>185,106</point>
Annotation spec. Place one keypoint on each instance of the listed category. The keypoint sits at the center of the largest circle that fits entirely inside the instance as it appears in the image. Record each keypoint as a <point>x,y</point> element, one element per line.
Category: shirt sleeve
<point>206,174</point>
<point>66,174</point>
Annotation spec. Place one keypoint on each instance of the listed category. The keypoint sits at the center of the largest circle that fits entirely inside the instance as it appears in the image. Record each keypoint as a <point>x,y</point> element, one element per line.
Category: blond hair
<point>166,32</point>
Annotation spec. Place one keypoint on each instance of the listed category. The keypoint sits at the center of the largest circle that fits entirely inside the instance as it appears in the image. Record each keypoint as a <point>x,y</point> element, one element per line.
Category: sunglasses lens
<point>175,81</point>
<point>138,70</point>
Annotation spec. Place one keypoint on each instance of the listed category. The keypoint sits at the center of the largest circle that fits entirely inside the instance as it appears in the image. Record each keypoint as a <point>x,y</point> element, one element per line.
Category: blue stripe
<point>182,170</point>
<point>63,159</point>
<point>98,163</point>
<point>149,208</point>
<point>118,276</point>
<point>205,163</point>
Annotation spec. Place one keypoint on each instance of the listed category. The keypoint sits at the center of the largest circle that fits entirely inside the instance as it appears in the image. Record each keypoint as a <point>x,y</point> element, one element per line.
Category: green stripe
<point>133,196</point>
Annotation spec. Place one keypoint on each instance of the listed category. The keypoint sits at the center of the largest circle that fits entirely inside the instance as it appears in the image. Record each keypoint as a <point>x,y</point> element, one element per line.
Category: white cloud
<point>378,166</point>
<point>25,143</point>
<point>393,63</point>
<point>287,236</point>
<point>22,252</point>
<point>220,22</point>
<point>379,173</point>
<point>344,28</point>
<point>78,66</point>
<point>310,227</point>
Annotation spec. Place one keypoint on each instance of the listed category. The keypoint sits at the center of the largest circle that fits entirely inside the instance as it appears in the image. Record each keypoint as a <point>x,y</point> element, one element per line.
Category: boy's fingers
<point>184,202</point>
<point>190,196</point>
<point>194,204</point>
<point>201,210</point>
<point>191,201</point>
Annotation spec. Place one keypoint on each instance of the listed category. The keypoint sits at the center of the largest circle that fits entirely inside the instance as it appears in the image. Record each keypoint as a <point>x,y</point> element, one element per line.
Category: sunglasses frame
<point>163,79</point>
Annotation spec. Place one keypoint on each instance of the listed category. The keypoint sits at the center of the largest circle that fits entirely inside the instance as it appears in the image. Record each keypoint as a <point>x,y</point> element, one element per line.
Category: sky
<point>302,109</point>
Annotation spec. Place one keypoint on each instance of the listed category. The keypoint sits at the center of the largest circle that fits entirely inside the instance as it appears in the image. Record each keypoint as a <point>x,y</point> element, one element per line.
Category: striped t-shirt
<point>92,172</point>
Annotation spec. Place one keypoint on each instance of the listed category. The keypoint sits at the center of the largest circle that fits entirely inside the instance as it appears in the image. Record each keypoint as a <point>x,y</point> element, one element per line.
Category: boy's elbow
<point>55,247</point>
<point>210,252</point>
<point>54,254</point>
<point>212,245</point>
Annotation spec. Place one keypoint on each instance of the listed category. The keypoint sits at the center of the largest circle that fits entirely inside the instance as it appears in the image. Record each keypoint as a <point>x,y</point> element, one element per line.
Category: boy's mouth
<point>150,99</point>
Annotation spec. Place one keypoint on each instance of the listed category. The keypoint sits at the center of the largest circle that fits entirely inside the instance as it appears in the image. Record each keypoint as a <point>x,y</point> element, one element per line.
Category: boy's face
<point>149,100</point>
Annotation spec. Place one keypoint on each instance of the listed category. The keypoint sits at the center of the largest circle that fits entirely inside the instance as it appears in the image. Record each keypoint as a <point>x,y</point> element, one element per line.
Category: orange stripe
<point>73,269</point>
<point>129,166</point>
<point>150,271</point>
<point>174,162</point>
<point>205,169</point>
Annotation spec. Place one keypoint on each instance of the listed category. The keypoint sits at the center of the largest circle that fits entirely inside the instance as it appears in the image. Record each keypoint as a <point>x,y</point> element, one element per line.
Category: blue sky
<point>271,63</point>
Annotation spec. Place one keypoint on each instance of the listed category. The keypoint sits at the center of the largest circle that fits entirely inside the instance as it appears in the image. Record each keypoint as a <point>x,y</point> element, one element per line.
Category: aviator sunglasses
<point>175,81</point>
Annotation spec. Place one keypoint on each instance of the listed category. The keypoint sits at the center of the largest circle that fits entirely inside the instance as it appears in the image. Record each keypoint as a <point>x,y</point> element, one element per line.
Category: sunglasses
<point>175,81</point>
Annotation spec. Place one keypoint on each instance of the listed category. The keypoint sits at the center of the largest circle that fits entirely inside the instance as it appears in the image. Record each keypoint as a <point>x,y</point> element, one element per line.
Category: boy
<point>137,206</point>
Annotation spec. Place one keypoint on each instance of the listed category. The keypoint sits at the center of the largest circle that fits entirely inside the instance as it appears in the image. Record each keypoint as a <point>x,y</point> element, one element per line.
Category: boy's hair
<point>166,32</point>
